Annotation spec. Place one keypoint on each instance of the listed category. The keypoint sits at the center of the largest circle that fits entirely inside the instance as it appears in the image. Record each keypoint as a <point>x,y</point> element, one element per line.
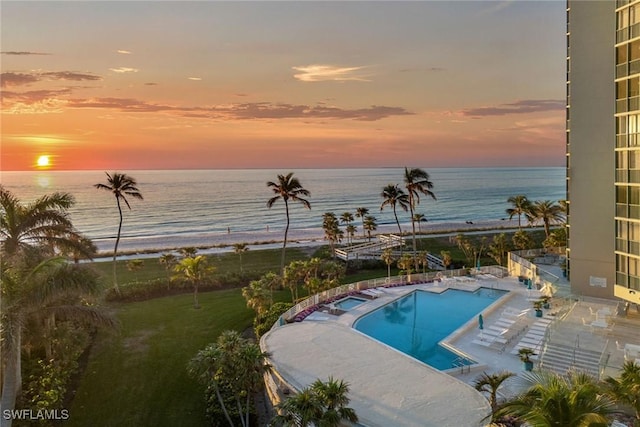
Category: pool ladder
<point>462,362</point>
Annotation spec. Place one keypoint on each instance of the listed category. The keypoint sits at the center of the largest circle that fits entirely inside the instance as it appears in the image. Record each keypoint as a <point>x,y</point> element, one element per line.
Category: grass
<point>260,262</point>
<point>137,376</point>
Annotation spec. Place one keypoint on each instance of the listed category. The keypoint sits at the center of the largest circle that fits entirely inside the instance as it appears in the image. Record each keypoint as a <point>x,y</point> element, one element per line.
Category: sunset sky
<point>180,85</point>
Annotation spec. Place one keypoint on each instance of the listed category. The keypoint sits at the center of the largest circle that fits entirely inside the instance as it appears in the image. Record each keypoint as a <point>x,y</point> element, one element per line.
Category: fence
<point>321,297</point>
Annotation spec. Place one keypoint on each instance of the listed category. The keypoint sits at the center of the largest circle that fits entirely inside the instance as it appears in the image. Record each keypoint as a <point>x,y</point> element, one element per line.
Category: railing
<point>381,281</point>
<point>462,362</point>
<point>384,242</point>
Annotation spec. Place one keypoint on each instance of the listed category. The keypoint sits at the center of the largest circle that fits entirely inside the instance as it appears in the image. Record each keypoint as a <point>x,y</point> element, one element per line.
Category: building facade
<point>627,150</point>
<point>603,148</point>
<point>591,152</point>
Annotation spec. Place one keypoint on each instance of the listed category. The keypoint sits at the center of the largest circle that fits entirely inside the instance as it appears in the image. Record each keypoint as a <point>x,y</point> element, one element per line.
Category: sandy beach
<point>220,243</point>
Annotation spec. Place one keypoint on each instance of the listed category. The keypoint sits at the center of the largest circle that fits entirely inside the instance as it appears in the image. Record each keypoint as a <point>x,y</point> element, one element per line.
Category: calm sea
<point>186,207</point>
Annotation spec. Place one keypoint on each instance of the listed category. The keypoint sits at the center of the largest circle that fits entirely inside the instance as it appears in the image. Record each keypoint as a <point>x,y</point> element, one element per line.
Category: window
<point>621,54</point>
<point>621,89</point>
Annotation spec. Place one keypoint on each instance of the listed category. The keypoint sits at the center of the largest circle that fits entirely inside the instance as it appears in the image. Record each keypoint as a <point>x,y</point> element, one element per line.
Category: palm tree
<point>419,218</point>
<point>322,404</point>
<point>300,410</point>
<point>240,248</point>
<point>42,223</point>
<point>416,181</point>
<point>552,400</point>
<point>405,263</point>
<point>287,188</point>
<point>169,261</point>
<point>393,196</point>
<point>547,211</point>
<point>522,240</point>
<point>626,388</point>
<point>347,218</point>
<point>362,213</point>
<point>490,383</point>
<point>188,251</point>
<point>51,289</point>
<point>135,265</point>
<point>351,232</point>
<point>194,270</point>
<point>446,259</point>
<point>120,185</point>
<point>257,296</point>
<point>331,230</point>
<point>388,258</point>
<point>521,206</point>
<point>231,364</point>
<point>370,225</point>
<point>333,395</point>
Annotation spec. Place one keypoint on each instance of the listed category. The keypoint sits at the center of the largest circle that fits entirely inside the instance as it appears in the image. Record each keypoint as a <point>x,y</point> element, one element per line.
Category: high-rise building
<point>603,148</point>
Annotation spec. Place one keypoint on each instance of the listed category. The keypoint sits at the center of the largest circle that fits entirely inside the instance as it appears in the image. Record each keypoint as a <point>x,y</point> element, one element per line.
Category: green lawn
<point>260,261</point>
<point>137,377</point>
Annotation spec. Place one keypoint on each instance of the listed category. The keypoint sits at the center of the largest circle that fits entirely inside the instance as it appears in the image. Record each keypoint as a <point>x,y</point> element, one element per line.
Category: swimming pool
<point>416,323</point>
<point>348,303</point>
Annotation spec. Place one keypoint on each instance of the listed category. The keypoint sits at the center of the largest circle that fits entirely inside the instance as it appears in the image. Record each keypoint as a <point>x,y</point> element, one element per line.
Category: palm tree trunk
<point>413,230</point>
<point>12,379</point>
<point>224,408</point>
<point>397,222</point>
<point>115,250</point>
<point>286,232</point>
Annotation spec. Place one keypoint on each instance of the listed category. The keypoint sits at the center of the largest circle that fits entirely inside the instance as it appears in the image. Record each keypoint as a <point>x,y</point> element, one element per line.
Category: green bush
<point>263,324</point>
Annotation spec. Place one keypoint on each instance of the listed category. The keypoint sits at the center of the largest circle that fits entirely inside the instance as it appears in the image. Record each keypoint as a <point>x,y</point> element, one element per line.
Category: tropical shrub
<point>262,324</point>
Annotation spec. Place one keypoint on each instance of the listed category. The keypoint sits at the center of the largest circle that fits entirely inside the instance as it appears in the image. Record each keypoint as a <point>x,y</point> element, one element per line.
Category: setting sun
<point>43,162</point>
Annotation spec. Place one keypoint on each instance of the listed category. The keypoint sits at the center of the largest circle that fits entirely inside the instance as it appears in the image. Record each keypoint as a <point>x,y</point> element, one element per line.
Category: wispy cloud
<point>124,52</point>
<point>70,75</point>
<point>319,73</point>
<point>17,79</point>
<point>10,79</point>
<point>13,52</point>
<point>151,84</point>
<point>244,111</point>
<point>194,78</point>
<point>518,107</point>
<point>124,70</point>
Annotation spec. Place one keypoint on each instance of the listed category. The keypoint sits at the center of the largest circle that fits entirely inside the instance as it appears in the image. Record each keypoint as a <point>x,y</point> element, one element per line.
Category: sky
<point>297,84</point>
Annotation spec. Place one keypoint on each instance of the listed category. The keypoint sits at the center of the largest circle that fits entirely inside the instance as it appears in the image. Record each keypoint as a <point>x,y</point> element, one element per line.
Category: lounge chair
<point>368,292</point>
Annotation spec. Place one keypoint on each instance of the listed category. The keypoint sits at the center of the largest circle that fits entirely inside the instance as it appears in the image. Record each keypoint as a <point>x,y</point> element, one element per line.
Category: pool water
<point>416,323</point>
<point>348,303</point>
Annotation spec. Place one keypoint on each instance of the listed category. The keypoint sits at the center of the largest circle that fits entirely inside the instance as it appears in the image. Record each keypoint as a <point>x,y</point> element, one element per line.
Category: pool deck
<point>388,388</point>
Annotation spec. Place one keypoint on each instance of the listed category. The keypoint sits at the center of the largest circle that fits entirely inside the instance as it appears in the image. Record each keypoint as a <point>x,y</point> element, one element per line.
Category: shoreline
<point>223,243</point>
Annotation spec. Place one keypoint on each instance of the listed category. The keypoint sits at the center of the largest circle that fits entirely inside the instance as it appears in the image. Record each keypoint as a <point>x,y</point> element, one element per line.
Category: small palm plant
<point>240,248</point>
<point>194,270</point>
<point>490,383</point>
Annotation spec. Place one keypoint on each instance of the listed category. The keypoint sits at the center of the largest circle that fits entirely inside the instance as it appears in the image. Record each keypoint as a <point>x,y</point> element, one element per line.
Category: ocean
<point>200,207</point>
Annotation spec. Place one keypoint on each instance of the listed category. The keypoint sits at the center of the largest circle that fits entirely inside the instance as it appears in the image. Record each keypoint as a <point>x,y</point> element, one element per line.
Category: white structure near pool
<point>365,338</point>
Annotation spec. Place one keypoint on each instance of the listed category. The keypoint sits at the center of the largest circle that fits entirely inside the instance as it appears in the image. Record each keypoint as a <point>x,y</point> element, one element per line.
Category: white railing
<point>321,297</point>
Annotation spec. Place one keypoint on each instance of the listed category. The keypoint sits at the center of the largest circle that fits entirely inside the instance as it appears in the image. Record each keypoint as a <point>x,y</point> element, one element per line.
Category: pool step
<point>561,359</point>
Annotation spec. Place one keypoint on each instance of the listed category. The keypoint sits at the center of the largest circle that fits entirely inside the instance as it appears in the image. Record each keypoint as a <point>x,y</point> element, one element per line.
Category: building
<point>603,148</point>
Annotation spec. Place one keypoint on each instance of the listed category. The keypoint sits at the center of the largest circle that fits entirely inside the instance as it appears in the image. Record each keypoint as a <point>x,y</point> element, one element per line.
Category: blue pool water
<point>416,323</point>
<point>348,303</point>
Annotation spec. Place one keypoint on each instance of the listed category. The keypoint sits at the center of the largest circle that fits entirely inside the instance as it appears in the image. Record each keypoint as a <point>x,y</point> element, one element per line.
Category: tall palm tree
<point>240,248</point>
<point>490,383</point>
<point>331,230</point>
<point>393,196</point>
<point>194,270</point>
<point>287,188</point>
<point>362,213</point>
<point>37,288</point>
<point>548,212</point>
<point>521,206</point>
<point>416,181</point>
<point>42,223</point>
<point>120,185</point>
<point>552,400</point>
